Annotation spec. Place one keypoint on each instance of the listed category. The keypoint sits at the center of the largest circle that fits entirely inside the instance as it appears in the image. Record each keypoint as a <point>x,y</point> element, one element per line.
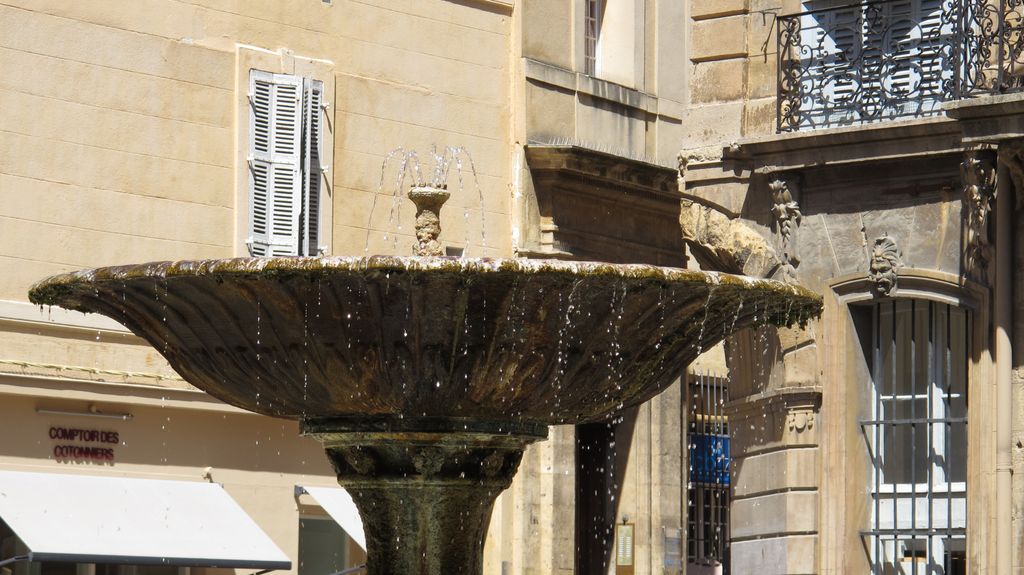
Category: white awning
<point>90,519</point>
<point>339,505</point>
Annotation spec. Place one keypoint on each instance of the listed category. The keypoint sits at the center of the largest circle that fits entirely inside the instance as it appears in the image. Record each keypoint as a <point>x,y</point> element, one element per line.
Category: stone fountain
<point>426,377</point>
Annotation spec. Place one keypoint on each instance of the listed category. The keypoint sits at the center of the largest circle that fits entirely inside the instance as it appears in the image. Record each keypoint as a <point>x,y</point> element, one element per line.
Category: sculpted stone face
<point>885,261</point>
<point>428,228</point>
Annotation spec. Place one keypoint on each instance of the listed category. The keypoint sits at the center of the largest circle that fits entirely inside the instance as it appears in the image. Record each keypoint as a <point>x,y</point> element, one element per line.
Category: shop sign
<point>91,445</point>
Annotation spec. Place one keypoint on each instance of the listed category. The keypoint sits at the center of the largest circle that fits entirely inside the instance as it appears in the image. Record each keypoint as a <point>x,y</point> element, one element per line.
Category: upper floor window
<point>610,33</point>
<point>285,171</point>
<point>591,35</point>
<point>916,437</point>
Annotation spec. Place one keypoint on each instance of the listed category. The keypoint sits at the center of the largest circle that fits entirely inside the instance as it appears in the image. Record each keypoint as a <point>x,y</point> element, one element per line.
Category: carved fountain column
<point>424,488</point>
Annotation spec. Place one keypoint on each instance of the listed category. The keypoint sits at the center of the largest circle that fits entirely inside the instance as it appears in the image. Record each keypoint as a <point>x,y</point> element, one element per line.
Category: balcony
<point>892,59</point>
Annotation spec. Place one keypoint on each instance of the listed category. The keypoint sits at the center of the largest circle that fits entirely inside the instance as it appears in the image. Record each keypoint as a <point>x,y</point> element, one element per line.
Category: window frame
<point>844,509</point>
<point>285,62</point>
<point>285,129</point>
<point>928,517</point>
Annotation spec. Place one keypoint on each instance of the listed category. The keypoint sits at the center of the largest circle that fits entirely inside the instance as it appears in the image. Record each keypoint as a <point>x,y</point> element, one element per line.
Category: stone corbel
<point>725,244</point>
<point>978,172</point>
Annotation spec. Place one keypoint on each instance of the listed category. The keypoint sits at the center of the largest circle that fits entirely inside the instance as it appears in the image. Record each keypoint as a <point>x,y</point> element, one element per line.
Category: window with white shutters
<point>285,125</point>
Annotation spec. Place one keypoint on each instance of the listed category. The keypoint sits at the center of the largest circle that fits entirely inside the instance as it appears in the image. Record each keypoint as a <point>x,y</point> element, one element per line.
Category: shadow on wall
<point>602,454</point>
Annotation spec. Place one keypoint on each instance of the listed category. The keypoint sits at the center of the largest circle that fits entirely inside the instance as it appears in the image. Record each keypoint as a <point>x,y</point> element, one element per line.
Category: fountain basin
<point>426,337</point>
<point>425,378</point>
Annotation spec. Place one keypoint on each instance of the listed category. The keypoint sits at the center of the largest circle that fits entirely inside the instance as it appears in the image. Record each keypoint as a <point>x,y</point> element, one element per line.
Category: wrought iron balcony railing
<point>891,59</point>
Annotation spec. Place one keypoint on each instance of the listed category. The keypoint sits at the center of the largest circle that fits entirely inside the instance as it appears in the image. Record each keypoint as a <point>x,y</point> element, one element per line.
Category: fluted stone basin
<point>426,376</point>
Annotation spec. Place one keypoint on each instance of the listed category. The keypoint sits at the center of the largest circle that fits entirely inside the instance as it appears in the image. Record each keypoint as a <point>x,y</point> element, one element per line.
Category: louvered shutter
<point>312,171</point>
<point>275,186</point>
<point>898,75</point>
<point>933,53</point>
<point>831,77</point>
<point>914,43</point>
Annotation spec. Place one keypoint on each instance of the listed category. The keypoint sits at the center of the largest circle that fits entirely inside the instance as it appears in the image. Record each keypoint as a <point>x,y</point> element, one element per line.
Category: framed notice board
<point>624,549</point>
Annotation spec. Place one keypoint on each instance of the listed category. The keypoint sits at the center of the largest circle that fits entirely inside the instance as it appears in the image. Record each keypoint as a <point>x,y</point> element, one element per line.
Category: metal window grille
<point>592,33</point>
<point>708,486</point>
<point>917,438</point>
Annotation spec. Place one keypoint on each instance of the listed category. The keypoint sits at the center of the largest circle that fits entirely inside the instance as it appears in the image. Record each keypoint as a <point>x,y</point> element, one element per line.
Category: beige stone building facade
<point>158,130</point>
<point>870,152</point>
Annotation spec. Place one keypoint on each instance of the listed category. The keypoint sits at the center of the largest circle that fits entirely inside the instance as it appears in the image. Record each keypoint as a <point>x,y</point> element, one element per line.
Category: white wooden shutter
<point>831,78</point>
<point>275,189</point>
<point>312,171</point>
<point>914,42</point>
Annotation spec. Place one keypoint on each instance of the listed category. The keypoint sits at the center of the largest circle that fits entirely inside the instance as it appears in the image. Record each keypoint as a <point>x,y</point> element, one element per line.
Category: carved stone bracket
<point>978,172</point>
<point>785,208</point>
<point>721,243</point>
<point>786,219</point>
<point>434,478</point>
<point>885,262</point>
<point>800,419</point>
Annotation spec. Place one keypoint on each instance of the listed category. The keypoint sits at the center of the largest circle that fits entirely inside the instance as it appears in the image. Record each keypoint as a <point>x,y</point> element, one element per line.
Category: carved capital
<point>886,261</point>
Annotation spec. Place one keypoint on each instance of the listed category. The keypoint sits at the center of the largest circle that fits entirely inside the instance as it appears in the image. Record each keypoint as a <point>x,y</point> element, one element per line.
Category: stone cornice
<point>848,145</point>
<point>989,119</point>
<point>552,75</point>
<point>591,204</point>
<point>604,167</point>
<point>780,400</point>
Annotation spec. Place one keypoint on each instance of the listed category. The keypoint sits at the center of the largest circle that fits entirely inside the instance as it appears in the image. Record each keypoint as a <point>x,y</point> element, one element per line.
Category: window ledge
<point>598,88</point>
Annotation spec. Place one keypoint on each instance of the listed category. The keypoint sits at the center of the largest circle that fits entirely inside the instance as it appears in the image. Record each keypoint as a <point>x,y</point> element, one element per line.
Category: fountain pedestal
<point>424,487</point>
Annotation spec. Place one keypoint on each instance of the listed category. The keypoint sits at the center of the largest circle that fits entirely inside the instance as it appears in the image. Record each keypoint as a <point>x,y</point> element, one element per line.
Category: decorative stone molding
<point>782,417</point>
<point>581,203</point>
<point>800,419</point>
<point>978,172</point>
<point>779,400</point>
<point>884,264</point>
<point>785,208</point>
